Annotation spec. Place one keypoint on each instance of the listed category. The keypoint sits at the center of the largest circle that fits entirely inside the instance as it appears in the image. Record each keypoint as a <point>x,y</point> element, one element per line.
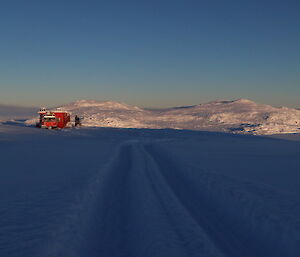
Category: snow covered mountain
<point>238,116</point>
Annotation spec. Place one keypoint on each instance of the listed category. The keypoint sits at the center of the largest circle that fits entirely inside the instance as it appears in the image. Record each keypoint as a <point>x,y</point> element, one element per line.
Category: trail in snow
<point>146,203</point>
<point>132,193</point>
<point>241,218</point>
<point>135,214</point>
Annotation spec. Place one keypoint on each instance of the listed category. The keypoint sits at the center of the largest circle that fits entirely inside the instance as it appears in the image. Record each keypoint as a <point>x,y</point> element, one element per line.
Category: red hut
<point>53,119</point>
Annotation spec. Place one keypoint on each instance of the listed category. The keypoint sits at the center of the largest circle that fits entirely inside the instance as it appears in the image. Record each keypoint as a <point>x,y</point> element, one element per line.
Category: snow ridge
<point>237,116</point>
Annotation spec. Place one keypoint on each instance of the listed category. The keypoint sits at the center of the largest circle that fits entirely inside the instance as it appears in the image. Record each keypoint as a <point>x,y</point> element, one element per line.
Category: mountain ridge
<point>235,116</point>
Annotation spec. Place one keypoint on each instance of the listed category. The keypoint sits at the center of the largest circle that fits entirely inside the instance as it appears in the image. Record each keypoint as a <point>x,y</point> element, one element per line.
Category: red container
<point>62,118</point>
<point>53,119</point>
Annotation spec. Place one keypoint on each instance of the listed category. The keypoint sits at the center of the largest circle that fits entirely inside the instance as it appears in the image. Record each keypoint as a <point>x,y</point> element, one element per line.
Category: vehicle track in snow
<point>238,217</point>
<point>131,217</point>
<point>147,204</point>
<point>197,206</point>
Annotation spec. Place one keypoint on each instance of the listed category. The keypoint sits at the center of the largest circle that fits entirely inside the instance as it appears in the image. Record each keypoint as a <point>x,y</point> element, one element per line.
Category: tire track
<point>131,218</point>
<point>144,204</point>
<point>197,207</point>
<point>72,234</point>
<point>129,221</point>
<point>232,235</point>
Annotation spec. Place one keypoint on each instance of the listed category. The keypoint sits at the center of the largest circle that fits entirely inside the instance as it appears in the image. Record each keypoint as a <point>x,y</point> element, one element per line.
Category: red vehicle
<point>53,119</point>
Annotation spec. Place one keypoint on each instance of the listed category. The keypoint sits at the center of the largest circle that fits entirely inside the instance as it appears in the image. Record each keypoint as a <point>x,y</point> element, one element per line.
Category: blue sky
<point>149,53</point>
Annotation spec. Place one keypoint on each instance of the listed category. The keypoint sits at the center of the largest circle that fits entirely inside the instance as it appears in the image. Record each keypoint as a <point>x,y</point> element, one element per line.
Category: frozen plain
<point>141,192</point>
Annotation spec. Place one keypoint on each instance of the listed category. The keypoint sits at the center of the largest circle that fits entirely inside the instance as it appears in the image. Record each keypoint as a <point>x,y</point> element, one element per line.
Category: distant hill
<point>16,112</point>
<point>237,116</point>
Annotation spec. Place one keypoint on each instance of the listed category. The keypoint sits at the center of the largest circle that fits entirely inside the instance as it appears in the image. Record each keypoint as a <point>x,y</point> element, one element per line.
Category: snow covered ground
<point>239,116</point>
<point>8,112</point>
<point>140,192</point>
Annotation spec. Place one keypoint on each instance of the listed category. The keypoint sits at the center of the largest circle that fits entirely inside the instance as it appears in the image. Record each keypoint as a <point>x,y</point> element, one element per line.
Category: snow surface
<point>140,192</point>
<point>8,112</point>
<point>239,116</point>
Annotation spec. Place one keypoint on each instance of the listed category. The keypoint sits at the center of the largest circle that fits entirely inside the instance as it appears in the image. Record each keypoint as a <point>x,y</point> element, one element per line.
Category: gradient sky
<point>149,53</point>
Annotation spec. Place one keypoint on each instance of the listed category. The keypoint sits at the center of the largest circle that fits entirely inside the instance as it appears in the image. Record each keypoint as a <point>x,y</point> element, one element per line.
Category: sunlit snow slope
<point>239,116</point>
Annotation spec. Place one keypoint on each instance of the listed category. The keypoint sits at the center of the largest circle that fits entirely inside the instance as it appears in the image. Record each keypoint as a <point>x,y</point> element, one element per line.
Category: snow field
<point>129,193</point>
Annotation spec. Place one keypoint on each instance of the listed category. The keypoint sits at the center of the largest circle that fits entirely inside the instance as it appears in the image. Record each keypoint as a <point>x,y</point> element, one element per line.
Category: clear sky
<point>154,53</point>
